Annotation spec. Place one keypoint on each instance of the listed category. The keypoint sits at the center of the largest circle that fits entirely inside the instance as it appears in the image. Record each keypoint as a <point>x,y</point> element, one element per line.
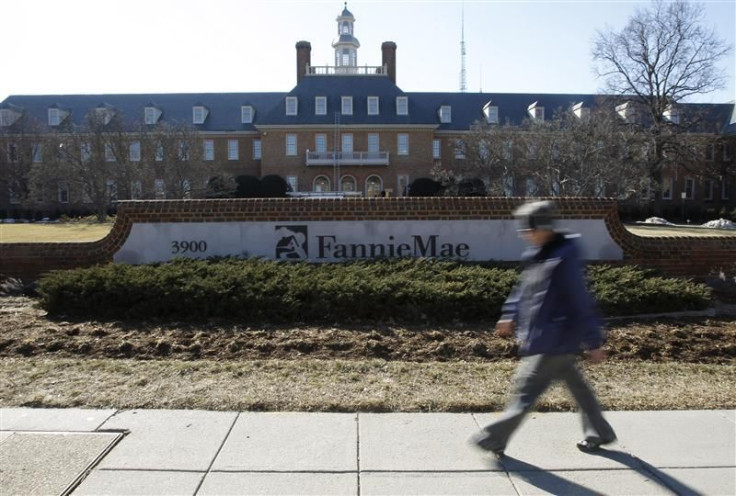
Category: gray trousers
<point>533,377</point>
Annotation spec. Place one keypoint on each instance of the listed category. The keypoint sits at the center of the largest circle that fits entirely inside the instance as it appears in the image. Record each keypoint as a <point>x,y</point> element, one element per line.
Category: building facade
<point>343,129</point>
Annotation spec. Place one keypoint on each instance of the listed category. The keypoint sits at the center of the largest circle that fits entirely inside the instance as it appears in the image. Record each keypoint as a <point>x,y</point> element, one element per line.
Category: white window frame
<point>292,105</point>
<point>348,179</point>
<point>402,105</point>
<point>491,113</point>
<point>136,190</point>
<point>54,117</point>
<point>689,190</point>
<point>320,143</point>
<point>374,143</point>
<point>320,105</point>
<point>246,114</point>
<point>373,105</point>
<point>667,192</point>
<point>233,149</point>
<point>85,151</point>
<point>380,185</point>
<point>63,192</point>
<point>208,150</point>
<point>109,153</point>
<point>708,187</point>
<point>111,189</point>
<point>135,151</point>
<point>321,178</point>
<point>150,115</point>
<point>37,153</point>
<point>459,149</point>
<point>346,105</point>
<point>257,149</point>
<point>347,143</point>
<point>159,153</point>
<point>199,114</point>
<point>445,114</point>
<point>291,145</point>
<point>402,144</point>
<point>159,189</point>
<point>436,149</point>
<point>293,182</point>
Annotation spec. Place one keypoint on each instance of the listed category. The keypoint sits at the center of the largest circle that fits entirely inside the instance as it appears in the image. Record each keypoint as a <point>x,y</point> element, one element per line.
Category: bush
<point>406,291</point>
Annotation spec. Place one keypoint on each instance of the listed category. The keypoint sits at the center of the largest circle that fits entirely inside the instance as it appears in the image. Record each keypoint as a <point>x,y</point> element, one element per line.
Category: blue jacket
<point>553,311</point>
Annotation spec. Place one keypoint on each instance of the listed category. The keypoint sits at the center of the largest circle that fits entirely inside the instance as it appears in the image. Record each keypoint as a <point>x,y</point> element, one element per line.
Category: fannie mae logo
<point>291,243</point>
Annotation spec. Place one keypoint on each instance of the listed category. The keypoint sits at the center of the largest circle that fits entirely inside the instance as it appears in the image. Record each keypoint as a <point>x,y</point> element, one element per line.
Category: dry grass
<point>336,385</point>
<point>53,233</point>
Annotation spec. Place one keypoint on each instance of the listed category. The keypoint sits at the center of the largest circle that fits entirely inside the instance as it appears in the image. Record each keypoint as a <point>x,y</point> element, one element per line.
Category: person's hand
<point>596,356</point>
<point>505,328</point>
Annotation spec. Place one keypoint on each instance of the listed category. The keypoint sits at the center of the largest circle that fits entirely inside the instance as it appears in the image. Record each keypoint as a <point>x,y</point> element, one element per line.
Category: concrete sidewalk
<point>158,452</point>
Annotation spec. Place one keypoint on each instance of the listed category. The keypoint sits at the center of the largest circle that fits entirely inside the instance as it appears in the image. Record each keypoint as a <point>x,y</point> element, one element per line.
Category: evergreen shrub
<point>402,291</point>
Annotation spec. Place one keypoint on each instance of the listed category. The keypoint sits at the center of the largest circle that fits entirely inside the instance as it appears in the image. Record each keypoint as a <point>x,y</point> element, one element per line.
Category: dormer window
<point>151,115</point>
<point>626,112</point>
<point>372,105</point>
<point>445,114</point>
<point>672,114</point>
<point>347,105</point>
<point>491,113</point>
<point>8,116</point>
<point>246,114</point>
<point>292,104</point>
<point>320,105</point>
<point>199,114</point>
<point>402,105</point>
<point>54,116</point>
<point>581,112</point>
<point>104,114</point>
<point>536,112</point>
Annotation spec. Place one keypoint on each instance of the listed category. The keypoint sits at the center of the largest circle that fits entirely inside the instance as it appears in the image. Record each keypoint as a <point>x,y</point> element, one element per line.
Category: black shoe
<point>485,442</point>
<point>590,446</point>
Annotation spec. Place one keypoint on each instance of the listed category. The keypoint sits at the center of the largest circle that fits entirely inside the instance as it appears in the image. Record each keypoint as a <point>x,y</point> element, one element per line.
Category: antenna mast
<point>463,86</point>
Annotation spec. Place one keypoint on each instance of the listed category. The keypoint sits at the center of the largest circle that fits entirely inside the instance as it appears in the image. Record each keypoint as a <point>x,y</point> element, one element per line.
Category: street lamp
<point>683,195</point>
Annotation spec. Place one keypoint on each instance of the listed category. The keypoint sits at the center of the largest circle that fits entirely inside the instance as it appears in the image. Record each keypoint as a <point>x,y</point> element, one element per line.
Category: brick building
<point>345,128</point>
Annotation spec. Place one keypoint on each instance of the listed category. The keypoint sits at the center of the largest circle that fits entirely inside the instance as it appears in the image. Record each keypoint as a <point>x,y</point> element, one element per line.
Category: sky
<point>194,46</point>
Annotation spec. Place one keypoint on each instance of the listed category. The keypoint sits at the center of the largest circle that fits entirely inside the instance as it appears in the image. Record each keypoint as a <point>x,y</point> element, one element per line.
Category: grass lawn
<point>53,233</point>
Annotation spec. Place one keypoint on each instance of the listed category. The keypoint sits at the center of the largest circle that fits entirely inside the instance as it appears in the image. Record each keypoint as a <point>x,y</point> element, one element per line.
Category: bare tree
<point>663,56</point>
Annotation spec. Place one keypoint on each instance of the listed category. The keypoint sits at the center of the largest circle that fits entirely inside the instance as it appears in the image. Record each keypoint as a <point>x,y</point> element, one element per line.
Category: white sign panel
<point>472,240</point>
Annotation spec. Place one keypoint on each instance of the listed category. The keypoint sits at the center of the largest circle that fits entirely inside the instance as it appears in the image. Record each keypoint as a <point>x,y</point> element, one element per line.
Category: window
<point>727,152</point>
<point>320,105</point>
<point>402,147</point>
<point>293,183</point>
<point>233,150</point>
<point>373,144</point>
<point>150,115</point>
<point>159,152</point>
<point>347,105</point>
<point>708,186</point>
<point>402,105</point>
<point>208,150</point>
<point>85,152</point>
<point>373,186</point>
<point>445,114</point>
<point>459,149</point>
<point>709,155</point>
<point>183,150</point>
<point>7,117</point>
<point>54,117</point>
<point>320,143</point>
<point>321,184</point>
<point>508,186</point>
<point>436,149</point>
<point>37,152</point>
<point>109,153</point>
<point>291,145</point>
<point>626,112</point>
<point>372,105</point>
<point>347,144</point>
<point>292,104</point>
<point>667,184</point>
<point>246,114</point>
<point>159,189</point>
<point>671,114</point>
<point>12,152</point>
<point>724,189</point>
<point>508,150</point>
<point>402,185</point>
<point>15,192</point>
<point>135,151</point>
<point>347,183</point>
<point>112,190</point>
<point>531,186</point>
<point>491,113</point>
<point>689,188</point>
<point>536,112</point>
<point>63,190</point>
<point>199,114</point>
<point>136,190</point>
<point>257,154</point>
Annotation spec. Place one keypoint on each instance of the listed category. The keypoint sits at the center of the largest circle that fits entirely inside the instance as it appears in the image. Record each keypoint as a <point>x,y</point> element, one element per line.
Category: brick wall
<point>690,256</point>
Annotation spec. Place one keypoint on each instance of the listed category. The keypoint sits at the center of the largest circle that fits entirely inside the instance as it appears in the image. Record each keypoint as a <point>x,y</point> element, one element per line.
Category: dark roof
<point>270,108</point>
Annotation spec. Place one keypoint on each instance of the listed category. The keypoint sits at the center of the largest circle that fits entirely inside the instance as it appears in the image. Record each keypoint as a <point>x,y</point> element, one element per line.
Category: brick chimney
<point>303,59</point>
<point>388,59</point>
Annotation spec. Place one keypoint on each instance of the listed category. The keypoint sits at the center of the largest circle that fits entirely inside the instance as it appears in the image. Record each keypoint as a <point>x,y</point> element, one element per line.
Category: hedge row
<point>407,291</point>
